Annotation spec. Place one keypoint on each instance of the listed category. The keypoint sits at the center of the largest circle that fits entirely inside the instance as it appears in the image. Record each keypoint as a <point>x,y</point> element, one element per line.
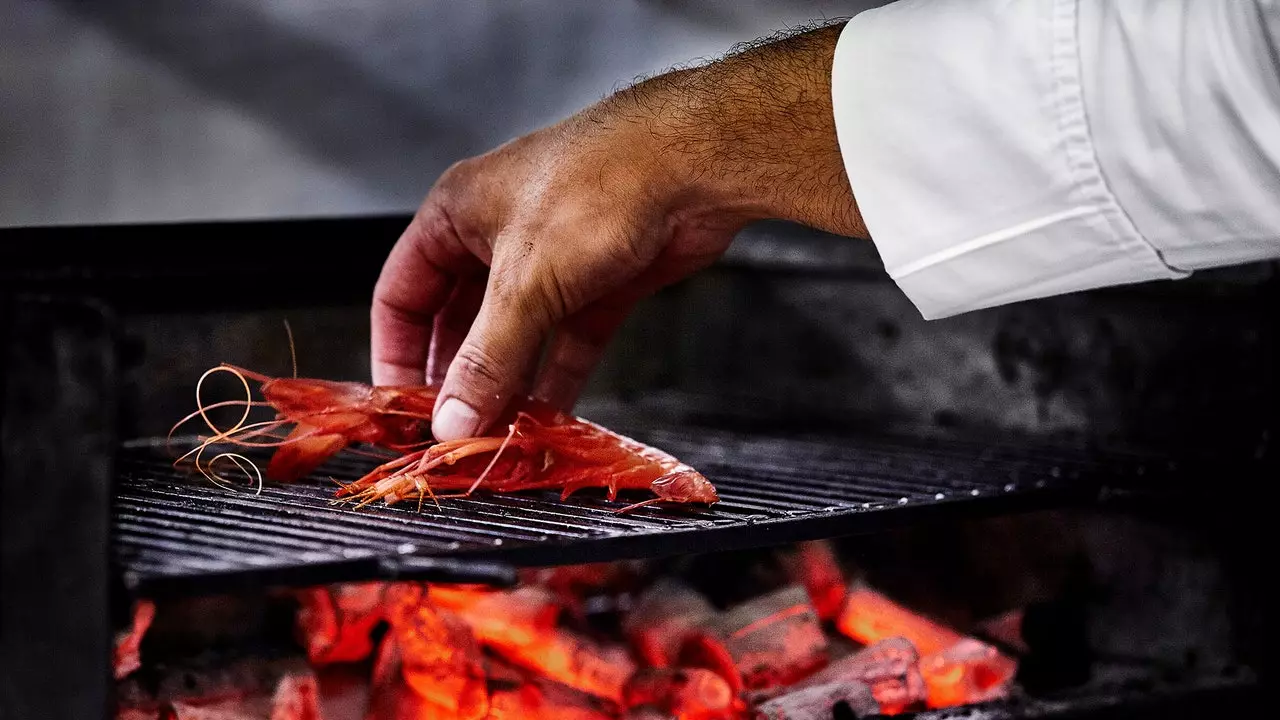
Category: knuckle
<point>527,282</point>
<point>555,294</point>
<point>385,309</point>
<point>630,251</point>
<point>477,368</point>
<point>456,177</point>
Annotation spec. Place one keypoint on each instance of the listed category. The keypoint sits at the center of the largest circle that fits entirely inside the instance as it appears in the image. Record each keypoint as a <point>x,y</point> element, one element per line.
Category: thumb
<point>491,363</point>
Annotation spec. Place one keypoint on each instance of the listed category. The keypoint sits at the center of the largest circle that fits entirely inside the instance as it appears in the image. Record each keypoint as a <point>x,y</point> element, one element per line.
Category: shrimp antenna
<point>503,446</point>
<point>239,461</point>
<point>293,351</point>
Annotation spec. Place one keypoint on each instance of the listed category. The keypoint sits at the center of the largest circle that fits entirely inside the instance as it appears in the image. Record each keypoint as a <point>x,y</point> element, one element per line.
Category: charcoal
<point>520,626</point>
<point>662,617</point>
<point>335,623</point>
<point>501,617</point>
<point>869,616</point>
<point>215,678</point>
<point>691,693</point>
<point>1006,628</point>
<point>968,672</point>
<point>296,696</point>
<point>648,713</point>
<point>440,660</point>
<point>128,643</point>
<point>154,713</point>
<point>814,565</point>
<point>531,702</point>
<point>817,702</point>
<point>774,640</point>
<point>890,668</point>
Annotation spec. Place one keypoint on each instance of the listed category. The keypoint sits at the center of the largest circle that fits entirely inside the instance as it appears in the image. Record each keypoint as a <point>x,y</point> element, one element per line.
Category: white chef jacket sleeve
<point>1004,151</point>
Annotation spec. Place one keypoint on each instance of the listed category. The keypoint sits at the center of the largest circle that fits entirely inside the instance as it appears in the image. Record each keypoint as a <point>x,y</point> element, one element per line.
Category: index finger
<point>416,280</point>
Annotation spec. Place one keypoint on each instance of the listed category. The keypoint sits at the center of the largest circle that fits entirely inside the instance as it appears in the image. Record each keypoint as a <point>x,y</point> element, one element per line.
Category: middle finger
<point>452,324</point>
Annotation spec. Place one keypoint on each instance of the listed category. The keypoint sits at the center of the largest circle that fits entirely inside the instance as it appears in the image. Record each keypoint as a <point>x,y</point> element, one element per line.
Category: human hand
<point>562,231</point>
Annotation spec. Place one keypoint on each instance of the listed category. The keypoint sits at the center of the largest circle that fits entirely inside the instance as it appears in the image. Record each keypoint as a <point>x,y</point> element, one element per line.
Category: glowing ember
<point>440,659</point>
<point>520,625</point>
<point>967,672</point>
<point>890,669</point>
<point>533,701</point>
<point>335,622</point>
<point>128,643</point>
<point>688,693</point>
<point>296,697</point>
<point>816,702</point>
<point>956,669</point>
<point>508,619</point>
<point>814,565</point>
<point>870,617</point>
<point>665,615</point>
<point>774,640</point>
<point>474,653</point>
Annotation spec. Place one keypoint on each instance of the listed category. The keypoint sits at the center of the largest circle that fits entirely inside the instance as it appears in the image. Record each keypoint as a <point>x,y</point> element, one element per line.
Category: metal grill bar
<point>176,532</point>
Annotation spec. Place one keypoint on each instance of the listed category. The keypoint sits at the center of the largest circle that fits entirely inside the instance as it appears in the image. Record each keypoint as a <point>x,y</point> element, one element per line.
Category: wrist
<point>750,137</point>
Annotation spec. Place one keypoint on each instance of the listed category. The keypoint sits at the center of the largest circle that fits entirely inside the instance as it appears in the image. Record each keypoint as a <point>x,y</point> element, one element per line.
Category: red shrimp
<point>570,454</point>
<point>543,448</point>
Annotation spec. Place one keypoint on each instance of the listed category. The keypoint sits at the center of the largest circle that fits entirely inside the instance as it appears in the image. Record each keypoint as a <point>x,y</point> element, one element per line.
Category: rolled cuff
<point>964,135</point>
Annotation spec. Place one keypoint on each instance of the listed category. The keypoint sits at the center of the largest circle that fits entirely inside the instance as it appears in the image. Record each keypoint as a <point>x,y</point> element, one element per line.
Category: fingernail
<point>455,420</point>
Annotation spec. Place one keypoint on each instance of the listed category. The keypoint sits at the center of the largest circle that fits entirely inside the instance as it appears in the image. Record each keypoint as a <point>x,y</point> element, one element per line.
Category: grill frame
<point>135,270</point>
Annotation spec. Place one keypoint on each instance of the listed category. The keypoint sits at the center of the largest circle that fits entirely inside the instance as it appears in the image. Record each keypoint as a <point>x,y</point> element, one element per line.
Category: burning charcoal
<point>296,697</point>
<point>439,657</point>
<point>968,672</point>
<point>813,564</point>
<point>818,701</point>
<point>870,617</point>
<point>889,668</point>
<point>504,675</point>
<point>956,669</point>
<point>533,700</point>
<point>501,617</point>
<point>702,650</point>
<point>392,697</point>
<point>335,623</point>
<point>389,698</point>
<point>1007,628</point>
<point>774,640</point>
<point>125,713</point>
<point>576,662</point>
<point>386,663</point>
<point>520,625</point>
<point>579,580</point>
<point>647,713</point>
<point>687,693</point>
<point>237,688</point>
<point>128,643</point>
<point>218,710</point>
<point>662,617</point>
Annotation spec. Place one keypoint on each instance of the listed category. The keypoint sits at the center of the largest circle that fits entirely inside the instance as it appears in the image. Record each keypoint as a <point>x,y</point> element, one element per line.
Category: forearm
<point>752,135</point>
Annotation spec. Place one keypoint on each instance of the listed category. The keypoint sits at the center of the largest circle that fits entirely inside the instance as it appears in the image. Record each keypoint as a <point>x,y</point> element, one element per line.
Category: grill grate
<point>175,532</point>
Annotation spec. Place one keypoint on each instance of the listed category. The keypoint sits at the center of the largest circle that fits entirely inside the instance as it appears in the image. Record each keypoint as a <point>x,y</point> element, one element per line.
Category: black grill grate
<point>175,532</point>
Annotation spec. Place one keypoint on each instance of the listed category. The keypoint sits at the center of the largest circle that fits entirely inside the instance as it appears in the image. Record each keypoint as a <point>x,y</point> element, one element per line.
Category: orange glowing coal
<point>957,670</point>
<point>536,652</point>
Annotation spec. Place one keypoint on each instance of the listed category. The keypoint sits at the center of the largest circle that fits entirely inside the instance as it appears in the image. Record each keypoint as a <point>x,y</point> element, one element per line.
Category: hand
<point>562,231</point>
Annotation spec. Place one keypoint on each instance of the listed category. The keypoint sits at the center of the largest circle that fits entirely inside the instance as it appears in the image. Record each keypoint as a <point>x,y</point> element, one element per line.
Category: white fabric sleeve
<point>1005,151</point>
